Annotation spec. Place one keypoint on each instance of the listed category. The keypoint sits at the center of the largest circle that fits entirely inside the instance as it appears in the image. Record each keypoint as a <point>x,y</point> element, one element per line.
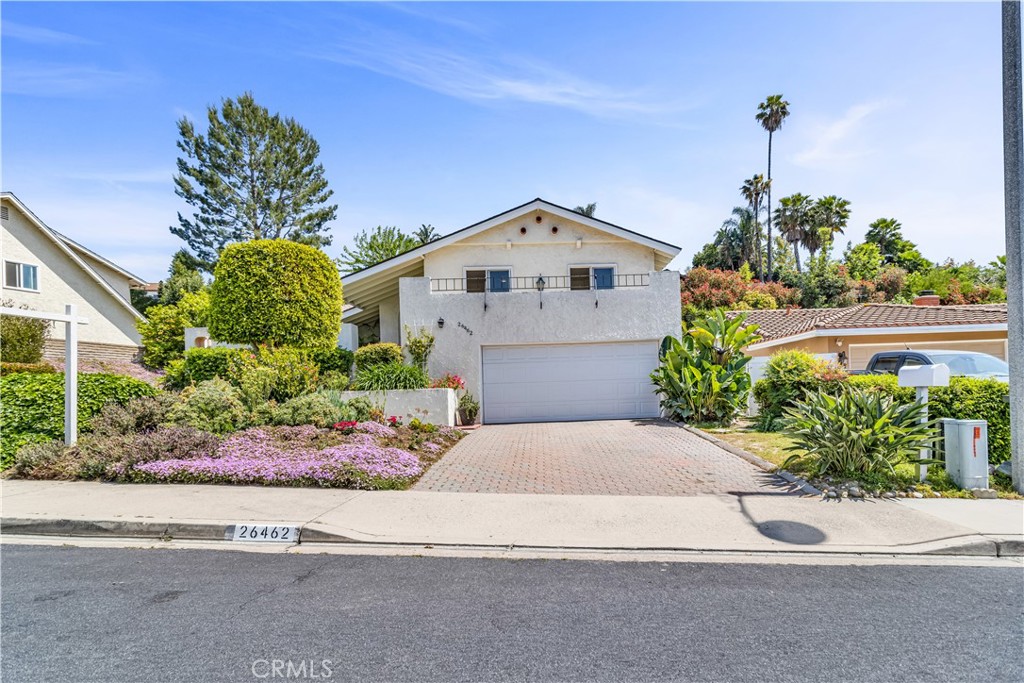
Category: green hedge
<point>382,353</point>
<point>275,292</point>
<point>13,368</point>
<point>336,360</point>
<point>32,405</point>
<point>199,365</point>
<point>965,398</point>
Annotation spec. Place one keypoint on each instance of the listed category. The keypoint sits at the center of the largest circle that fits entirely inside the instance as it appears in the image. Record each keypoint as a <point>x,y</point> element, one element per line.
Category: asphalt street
<point>111,615</point>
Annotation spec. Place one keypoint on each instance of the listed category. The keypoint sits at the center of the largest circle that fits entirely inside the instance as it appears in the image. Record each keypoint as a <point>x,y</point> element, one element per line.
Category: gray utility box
<point>966,448</point>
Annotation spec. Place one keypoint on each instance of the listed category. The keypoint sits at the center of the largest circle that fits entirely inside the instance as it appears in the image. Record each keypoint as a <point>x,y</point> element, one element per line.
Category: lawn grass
<point>768,445</point>
<point>772,446</point>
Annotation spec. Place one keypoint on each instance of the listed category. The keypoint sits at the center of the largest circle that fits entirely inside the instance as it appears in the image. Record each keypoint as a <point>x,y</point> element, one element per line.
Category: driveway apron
<point>609,457</point>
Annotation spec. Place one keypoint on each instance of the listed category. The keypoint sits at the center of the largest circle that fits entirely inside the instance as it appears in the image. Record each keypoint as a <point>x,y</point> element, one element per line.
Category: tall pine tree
<point>252,176</point>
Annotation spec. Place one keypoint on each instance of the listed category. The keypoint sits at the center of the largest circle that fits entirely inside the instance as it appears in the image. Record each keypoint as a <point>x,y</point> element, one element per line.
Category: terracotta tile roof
<point>780,323</point>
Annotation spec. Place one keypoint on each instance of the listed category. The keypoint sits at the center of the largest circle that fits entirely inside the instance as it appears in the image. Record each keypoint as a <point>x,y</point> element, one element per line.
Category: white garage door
<point>860,354</point>
<point>552,383</point>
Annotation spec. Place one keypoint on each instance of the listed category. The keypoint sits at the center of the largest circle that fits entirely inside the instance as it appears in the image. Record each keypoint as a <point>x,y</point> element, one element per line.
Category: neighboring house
<point>45,270</point>
<point>546,313</point>
<point>855,334</point>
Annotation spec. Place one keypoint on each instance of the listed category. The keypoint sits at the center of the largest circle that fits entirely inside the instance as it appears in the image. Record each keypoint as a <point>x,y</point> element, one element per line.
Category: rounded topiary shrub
<point>275,292</point>
<point>384,353</point>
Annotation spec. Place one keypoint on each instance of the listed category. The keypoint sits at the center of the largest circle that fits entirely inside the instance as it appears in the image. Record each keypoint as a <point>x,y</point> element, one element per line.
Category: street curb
<point>1009,548</point>
<point>763,464</point>
<point>113,529</point>
<point>975,546</point>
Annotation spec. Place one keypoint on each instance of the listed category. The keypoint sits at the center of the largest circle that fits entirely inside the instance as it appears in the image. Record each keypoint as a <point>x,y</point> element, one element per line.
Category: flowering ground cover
<point>362,455</point>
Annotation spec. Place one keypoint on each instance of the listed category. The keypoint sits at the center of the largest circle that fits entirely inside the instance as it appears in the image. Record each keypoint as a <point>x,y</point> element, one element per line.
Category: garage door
<point>552,383</point>
<point>860,354</point>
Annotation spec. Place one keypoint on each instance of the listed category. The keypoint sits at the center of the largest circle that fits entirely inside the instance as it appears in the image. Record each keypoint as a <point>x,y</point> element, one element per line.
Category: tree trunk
<point>796,253</point>
<point>769,207</point>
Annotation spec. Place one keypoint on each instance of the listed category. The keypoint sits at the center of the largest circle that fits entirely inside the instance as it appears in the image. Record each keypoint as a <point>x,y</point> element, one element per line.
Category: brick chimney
<point>927,298</point>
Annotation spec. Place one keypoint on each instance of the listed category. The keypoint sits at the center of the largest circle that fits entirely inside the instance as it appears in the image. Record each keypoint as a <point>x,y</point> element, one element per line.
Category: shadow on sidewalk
<point>783,530</point>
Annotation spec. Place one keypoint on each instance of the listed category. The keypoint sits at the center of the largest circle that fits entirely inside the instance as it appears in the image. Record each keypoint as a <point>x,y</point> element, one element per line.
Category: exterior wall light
<point>540,283</point>
<point>579,242</point>
<point>440,323</point>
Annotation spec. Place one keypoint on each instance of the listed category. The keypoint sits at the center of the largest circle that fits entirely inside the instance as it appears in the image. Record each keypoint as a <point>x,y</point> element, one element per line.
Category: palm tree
<point>740,238</point>
<point>771,113</point>
<point>888,235</point>
<point>828,217</point>
<point>793,218</point>
<point>587,210</point>
<point>425,233</point>
<point>753,191</point>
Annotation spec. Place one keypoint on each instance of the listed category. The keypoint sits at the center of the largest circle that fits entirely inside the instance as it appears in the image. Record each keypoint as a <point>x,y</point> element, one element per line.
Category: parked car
<point>961,363</point>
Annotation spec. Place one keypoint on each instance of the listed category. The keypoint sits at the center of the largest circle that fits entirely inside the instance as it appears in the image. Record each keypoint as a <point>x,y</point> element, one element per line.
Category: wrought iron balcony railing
<point>541,283</point>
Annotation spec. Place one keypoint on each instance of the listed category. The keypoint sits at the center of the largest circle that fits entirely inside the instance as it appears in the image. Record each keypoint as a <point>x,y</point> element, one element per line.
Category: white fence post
<point>70,375</point>
<point>71,322</point>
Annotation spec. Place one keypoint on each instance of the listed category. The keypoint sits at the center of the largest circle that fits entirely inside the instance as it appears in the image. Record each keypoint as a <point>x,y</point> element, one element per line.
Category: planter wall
<point>435,406</point>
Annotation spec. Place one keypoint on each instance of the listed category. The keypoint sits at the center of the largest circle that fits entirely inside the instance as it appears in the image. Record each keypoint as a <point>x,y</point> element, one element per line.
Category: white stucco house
<point>44,270</point>
<point>546,313</point>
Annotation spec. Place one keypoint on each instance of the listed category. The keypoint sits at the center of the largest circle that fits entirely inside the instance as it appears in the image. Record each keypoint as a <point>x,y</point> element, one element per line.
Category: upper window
<point>21,275</point>
<point>592,277</point>
<point>488,280</point>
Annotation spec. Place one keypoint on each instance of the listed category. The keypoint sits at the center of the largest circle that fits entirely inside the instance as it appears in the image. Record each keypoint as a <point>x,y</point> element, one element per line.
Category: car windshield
<point>971,363</point>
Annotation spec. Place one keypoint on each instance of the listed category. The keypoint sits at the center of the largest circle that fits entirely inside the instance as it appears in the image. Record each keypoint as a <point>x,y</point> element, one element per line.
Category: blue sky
<point>449,113</point>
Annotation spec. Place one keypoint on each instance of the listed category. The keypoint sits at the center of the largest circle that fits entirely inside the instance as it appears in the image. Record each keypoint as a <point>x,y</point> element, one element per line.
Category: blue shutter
<point>499,280</point>
<point>604,278</point>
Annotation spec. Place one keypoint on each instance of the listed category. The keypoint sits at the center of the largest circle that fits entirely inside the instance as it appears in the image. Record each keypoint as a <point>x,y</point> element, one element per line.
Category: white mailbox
<point>921,377</point>
<point>924,376</point>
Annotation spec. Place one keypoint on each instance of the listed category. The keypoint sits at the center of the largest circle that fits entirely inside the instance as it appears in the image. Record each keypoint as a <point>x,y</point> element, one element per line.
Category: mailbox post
<point>921,377</point>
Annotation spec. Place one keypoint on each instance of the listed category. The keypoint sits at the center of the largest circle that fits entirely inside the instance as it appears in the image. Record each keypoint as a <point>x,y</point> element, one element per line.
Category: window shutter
<point>579,278</point>
<point>476,280</point>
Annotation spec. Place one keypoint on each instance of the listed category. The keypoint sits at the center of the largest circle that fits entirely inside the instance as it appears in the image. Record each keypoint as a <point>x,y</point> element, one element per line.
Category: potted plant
<point>469,408</point>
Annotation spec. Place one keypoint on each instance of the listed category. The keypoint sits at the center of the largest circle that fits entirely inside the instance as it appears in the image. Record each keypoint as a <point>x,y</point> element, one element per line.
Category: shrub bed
<point>383,353</point>
<point>965,398</point>
<point>13,368</point>
<point>366,455</point>
<point>32,405</point>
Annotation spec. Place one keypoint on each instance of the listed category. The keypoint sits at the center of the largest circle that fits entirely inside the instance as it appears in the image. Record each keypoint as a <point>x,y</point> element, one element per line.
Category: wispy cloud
<point>40,35</point>
<point>836,141</point>
<point>125,177</point>
<point>472,79</point>
<point>65,80</point>
<point>434,16</point>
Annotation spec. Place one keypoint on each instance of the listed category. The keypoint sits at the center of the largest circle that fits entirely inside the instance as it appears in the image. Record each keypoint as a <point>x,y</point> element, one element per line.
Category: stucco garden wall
<point>624,314</point>
<point>62,281</point>
<point>435,406</point>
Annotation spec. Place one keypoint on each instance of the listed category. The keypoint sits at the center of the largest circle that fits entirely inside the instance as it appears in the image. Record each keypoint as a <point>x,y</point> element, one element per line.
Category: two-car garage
<point>557,382</point>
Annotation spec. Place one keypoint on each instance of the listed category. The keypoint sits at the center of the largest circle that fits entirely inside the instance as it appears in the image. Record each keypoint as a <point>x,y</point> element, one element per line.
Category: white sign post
<point>921,377</point>
<point>71,322</point>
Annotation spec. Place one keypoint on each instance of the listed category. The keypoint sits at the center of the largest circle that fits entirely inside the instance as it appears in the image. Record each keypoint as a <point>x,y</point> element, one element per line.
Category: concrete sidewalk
<point>736,523</point>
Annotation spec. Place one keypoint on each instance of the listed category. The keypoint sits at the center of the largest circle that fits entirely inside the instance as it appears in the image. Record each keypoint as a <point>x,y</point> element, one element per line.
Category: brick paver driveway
<point>611,457</point>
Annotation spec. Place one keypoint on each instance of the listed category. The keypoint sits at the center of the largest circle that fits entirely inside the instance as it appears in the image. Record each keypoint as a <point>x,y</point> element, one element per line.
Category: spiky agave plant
<point>857,432</point>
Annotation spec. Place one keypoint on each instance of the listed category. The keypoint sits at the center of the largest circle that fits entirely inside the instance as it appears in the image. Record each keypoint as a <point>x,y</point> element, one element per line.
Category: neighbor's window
<point>587,277</point>
<point>21,275</point>
<point>487,280</point>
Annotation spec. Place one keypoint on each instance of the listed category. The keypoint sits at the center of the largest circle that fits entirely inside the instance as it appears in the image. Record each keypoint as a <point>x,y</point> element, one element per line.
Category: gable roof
<point>134,279</point>
<point>783,325</point>
<point>72,250</point>
<point>367,287</point>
